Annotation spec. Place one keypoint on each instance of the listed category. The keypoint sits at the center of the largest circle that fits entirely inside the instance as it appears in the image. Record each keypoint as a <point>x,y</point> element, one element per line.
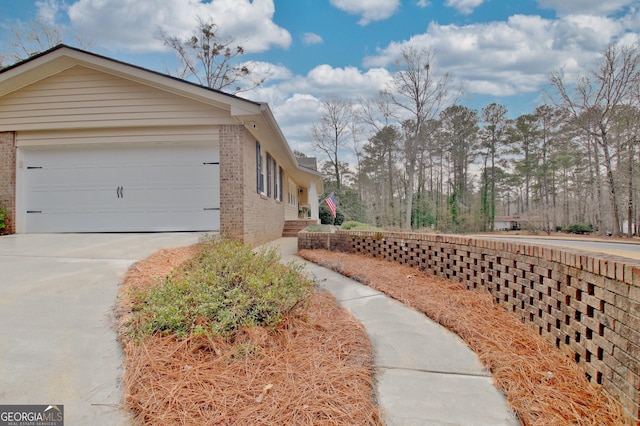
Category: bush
<point>225,288</point>
<point>316,227</point>
<point>579,228</point>
<point>3,214</point>
<point>358,226</point>
<point>326,218</point>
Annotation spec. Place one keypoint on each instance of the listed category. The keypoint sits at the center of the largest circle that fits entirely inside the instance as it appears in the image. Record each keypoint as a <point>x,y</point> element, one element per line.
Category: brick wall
<point>8,179</point>
<point>586,304</point>
<point>245,215</point>
<point>231,181</point>
<point>263,216</point>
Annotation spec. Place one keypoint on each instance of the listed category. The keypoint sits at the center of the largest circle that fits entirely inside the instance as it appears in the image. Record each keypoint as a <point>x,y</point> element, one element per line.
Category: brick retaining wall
<point>584,303</point>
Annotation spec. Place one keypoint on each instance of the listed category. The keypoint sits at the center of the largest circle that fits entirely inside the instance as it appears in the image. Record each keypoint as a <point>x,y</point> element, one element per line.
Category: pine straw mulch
<point>543,386</point>
<point>315,368</point>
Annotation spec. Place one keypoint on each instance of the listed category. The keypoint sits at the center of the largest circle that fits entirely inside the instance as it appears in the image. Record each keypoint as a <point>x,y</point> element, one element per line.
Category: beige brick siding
<point>245,215</point>
<point>586,304</point>
<point>231,181</point>
<point>263,216</point>
<point>8,178</point>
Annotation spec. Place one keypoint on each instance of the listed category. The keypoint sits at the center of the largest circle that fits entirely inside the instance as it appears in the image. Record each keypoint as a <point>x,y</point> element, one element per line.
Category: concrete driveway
<point>57,339</point>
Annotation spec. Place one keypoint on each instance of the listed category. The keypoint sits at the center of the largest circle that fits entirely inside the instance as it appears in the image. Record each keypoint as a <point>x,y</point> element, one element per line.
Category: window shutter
<point>275,180</point>
<point>259,180</point>
<point>268,175</point>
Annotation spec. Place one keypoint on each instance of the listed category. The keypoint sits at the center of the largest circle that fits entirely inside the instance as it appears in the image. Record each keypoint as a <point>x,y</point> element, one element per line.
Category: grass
<point>359,226</point>
<point>224,289</point>
<point>316,227</point>
<point>3,214</point>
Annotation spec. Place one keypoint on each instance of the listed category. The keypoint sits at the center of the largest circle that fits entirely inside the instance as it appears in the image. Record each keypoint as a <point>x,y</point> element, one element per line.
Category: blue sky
<point>498,50</point>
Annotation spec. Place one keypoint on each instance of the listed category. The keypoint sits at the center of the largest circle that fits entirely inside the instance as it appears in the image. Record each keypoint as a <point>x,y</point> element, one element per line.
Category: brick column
<point>8,178</point>
<point>232,182</point>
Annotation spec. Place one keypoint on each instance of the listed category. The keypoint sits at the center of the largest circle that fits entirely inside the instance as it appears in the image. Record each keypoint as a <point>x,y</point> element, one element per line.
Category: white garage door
<point>121,189</point>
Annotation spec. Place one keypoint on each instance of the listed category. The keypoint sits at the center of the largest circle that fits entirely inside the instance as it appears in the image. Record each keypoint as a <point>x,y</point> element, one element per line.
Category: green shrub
<point>358,226</point>
<point>579,228</point>
<point>316,227</point>
<point>3,214</point>
<point>350,224</point>
<point>224,289</point>
<point>326,218</point>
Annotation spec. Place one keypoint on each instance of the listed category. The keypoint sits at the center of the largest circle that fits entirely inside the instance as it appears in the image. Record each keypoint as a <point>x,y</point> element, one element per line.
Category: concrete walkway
<point>57,340</point>
<point>58,344</point>
<point>426,375</point>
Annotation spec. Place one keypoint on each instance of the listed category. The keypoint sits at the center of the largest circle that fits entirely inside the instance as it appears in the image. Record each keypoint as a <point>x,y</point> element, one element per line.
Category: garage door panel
<point>65,177</point>
<point>157,197</point>
<point>137,221</point>
<point>98,189</point>
<point>163,176</point>
<point>59,200</point>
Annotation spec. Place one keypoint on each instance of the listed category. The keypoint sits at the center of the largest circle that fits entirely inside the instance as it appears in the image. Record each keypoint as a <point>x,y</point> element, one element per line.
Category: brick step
<point>292,227</point>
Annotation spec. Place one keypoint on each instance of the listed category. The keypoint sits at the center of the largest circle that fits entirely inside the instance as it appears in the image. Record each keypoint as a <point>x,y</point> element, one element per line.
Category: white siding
<point>81,97</point>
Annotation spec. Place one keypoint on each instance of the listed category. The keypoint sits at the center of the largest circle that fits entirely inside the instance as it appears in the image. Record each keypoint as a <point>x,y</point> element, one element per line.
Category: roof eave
<point>62,57</point>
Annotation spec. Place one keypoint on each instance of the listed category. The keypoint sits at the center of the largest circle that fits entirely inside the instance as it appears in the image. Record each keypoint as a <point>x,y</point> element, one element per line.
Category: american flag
<point>331,202</point>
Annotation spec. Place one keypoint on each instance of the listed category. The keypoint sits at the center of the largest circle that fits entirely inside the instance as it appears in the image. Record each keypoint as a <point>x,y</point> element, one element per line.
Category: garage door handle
<point>120,192</point>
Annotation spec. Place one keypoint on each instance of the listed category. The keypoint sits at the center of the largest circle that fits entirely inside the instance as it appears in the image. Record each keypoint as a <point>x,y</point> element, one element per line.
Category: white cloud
<point>423,3</point>
<point>134,24</point>
<point>465,7</point>
<point>511,57</point>
<point>323,81</point>
<point>268,71</point>
<point>577,32</point>
<point>297,102</point>
<point>591,7</point>
<point>348,82</point>
<point>47,10</point>
<point>295,116</point>
<point>369,10</point>
<point>311,38</point>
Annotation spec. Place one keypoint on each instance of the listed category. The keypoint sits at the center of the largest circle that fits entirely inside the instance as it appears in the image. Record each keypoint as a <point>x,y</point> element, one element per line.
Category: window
<point>269,161</point>
<point>293,195</point>
<point>259,171</point>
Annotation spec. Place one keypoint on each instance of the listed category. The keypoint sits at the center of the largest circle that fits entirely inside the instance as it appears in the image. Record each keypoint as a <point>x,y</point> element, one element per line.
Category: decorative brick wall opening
<point>586,304</point>
<point>8,179</point>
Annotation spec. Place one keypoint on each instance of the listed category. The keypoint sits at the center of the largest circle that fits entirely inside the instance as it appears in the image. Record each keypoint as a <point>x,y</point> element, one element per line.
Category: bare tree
<point>32,37</point>
<point>419,93</point>
<point>375,112</point>
<point>211,59</point>
<point>594,101</point>
<point>332,132</point>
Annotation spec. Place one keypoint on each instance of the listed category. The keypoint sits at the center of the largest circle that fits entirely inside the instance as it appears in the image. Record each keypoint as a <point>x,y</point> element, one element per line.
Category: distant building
<point>517,222</point>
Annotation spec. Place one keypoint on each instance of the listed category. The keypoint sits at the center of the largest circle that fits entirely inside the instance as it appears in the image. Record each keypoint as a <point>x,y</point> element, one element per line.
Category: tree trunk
<point>598,188</point>
<point>630,200</point>
<point>410,178</point>
<point>612,188</point>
